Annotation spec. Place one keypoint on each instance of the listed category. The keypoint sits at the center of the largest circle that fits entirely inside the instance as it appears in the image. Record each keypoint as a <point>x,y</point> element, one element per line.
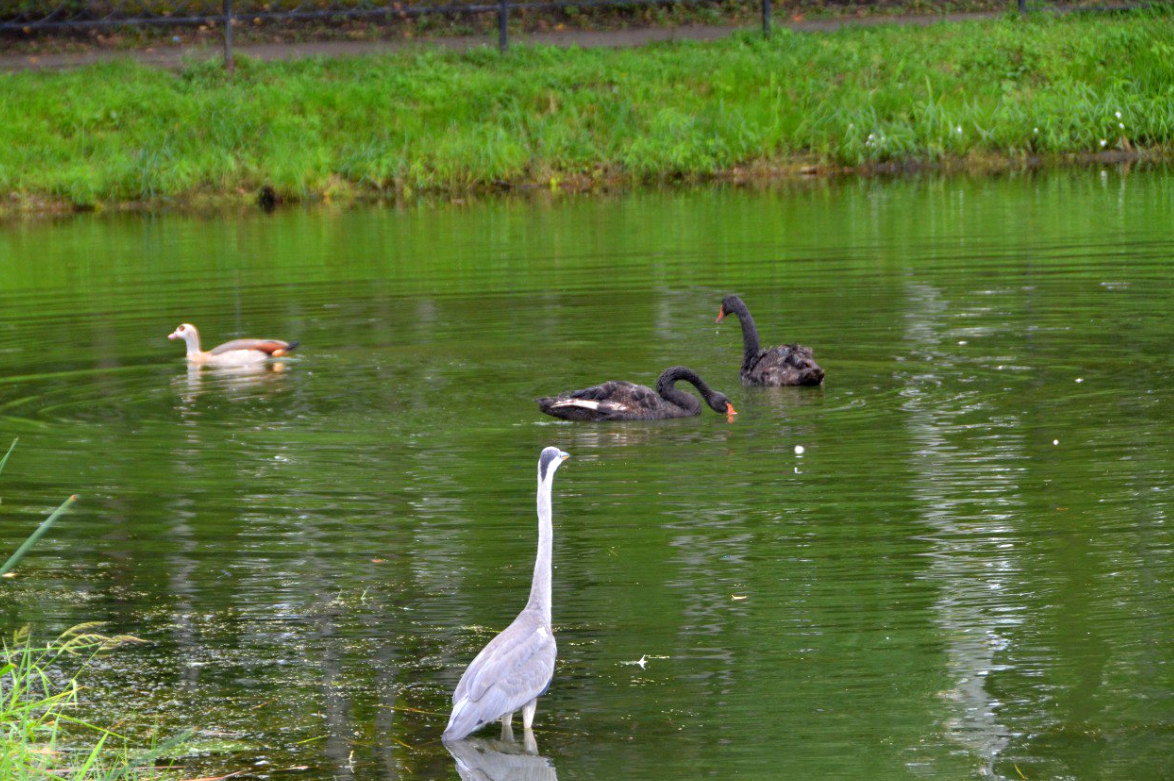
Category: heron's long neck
<point>540,588</point>
<point>750,345</point>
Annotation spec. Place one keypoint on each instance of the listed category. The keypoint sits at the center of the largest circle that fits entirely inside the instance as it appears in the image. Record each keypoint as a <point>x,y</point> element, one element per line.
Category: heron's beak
<point>721,312</point>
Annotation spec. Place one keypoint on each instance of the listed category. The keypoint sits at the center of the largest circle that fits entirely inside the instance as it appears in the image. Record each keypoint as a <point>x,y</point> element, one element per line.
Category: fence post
<point>229,62</point>
<point>766,18</point>
<point>503,34</point>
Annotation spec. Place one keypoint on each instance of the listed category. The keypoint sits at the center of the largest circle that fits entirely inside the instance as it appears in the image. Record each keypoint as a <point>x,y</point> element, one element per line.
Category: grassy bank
<point>450,122</point>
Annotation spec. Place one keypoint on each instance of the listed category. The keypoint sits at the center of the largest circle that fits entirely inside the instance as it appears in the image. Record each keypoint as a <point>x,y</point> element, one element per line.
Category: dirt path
<point>173,56</point>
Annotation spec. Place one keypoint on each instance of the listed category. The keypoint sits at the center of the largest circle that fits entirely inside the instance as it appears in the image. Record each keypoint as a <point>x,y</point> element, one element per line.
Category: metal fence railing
<point>28,17</point>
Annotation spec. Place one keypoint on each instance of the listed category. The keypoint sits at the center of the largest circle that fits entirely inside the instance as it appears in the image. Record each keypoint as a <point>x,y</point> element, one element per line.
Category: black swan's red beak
<point>730,412</point>
<point>721,312</point>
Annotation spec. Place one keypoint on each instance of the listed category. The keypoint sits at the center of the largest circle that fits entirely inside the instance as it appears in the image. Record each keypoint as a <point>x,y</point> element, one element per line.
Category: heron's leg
<point>507,722</point>
<point>528,713</point>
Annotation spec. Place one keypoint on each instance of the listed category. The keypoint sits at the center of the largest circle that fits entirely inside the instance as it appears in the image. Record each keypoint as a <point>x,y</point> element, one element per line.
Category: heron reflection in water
<point>515,668</point>
<point>479,759</point>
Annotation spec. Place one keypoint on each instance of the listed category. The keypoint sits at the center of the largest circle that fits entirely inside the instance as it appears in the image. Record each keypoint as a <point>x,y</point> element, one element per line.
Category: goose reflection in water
<point>235,380</point>
<point>481,759</point>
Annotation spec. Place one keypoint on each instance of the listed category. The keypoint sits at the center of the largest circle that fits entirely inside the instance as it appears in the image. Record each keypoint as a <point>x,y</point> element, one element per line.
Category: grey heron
<point>514,669</point>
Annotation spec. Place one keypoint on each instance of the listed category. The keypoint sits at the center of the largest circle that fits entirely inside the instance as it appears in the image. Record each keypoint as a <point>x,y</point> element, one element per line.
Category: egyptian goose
<point>620,400</point>
<point>234,353</point>
<point>788,364</point>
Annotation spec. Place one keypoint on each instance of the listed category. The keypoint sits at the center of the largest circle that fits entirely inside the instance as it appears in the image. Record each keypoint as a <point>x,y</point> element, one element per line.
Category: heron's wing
<point>269,346</point>
<point>514,668</point>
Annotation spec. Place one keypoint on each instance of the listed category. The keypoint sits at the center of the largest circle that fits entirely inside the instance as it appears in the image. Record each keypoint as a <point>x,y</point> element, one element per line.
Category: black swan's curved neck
<point>734,306</point>
<point>664,387</point>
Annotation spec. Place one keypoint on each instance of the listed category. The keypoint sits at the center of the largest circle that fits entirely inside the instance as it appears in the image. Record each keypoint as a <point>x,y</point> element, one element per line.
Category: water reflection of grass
<point>453,122</point>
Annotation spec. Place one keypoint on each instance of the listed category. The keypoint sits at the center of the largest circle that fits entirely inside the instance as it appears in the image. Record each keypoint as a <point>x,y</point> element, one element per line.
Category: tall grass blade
<point>36,535</point>
<point>11,447</point>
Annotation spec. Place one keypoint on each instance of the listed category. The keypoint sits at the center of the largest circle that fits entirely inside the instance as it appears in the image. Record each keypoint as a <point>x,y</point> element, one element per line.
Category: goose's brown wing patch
<point>272,347</point>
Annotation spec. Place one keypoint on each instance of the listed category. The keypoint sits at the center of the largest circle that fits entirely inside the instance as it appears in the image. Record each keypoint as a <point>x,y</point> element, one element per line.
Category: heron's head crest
<point>549,461</point>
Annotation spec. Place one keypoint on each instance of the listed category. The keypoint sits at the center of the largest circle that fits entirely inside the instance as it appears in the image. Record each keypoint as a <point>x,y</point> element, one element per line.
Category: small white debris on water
<point>962,341</point>
<point>1055,441</point>
<point>799,450</point>
<point>1080,379</point>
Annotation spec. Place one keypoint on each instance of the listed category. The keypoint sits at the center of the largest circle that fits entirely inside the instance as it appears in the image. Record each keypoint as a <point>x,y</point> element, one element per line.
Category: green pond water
<point>966,571</point>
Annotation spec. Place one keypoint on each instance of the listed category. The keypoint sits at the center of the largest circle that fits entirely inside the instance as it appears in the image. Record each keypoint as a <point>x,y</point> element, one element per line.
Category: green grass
<point>448,122</point>
<point>14,559</point>
<point>39,739</point>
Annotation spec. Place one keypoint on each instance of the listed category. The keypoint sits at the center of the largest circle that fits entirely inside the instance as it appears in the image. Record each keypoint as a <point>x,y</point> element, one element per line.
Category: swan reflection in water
<point>482,759</point>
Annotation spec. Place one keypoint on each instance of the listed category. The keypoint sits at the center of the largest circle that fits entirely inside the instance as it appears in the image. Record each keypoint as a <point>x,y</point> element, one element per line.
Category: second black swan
<point>787,364</point>
<point>620,400</point>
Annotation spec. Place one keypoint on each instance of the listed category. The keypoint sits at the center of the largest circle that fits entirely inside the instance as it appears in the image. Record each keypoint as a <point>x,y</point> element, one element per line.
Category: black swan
<point>788,364</point>
<point>620,400</point>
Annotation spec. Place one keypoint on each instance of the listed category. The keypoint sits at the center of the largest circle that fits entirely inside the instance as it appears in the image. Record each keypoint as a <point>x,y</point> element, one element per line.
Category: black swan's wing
<point>611,391</point>
<point>788,364</point>
<point>612,400</point>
